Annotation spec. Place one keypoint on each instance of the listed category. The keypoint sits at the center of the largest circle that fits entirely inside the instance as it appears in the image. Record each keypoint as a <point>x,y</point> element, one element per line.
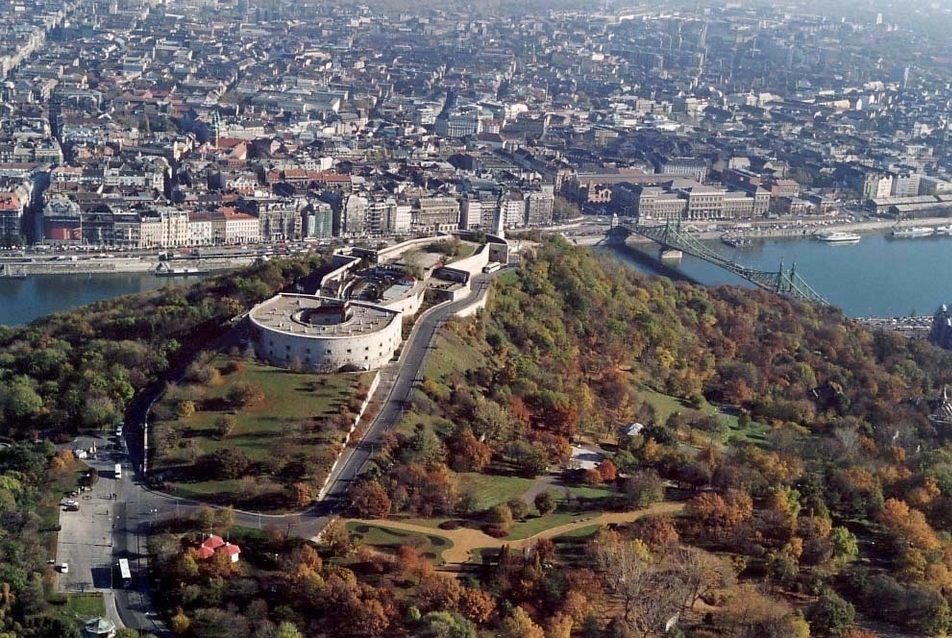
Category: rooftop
<point>289,314</point>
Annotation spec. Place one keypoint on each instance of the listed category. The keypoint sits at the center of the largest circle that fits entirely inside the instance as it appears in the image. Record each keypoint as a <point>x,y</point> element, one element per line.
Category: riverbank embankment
<point>25,267</point>
<point>802,227</point>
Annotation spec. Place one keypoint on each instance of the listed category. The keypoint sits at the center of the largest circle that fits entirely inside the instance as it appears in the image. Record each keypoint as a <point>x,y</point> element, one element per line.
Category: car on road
<point>71,506</point>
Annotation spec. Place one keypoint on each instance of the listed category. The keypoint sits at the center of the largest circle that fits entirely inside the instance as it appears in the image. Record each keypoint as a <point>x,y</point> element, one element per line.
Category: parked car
<point>64,568</point>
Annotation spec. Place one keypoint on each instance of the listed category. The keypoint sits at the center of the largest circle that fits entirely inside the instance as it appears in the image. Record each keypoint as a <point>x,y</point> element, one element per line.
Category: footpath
<point>466,540</point>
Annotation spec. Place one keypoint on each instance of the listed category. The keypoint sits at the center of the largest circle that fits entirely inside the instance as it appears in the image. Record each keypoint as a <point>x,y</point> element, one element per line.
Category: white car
<point>64,568</point>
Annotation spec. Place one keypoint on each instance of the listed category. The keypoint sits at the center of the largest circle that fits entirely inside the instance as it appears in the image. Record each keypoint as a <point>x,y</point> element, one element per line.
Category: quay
<point>20,267</point>
<point>912,327</point>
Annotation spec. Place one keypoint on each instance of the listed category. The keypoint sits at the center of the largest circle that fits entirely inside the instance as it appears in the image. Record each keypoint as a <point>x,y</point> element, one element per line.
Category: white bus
<point>125,574</point>
<point>492,266</point>
<point>118,473</point>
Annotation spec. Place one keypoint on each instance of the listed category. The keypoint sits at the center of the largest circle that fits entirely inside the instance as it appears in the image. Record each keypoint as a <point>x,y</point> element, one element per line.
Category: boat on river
<point>164,270</point>
<point>945,231</point>
<point>912,232</point>
<point>839,237</point>
<point>735,241</point>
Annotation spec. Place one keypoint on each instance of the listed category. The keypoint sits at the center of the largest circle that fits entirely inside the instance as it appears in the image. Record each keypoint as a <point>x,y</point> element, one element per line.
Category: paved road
<point>108,528</point>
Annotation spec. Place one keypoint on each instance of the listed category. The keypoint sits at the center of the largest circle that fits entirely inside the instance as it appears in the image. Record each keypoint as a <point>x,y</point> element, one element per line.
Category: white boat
<point>911,232</point>
<point>164,270</point>
<point>944,230</point>
<point>839,238</point>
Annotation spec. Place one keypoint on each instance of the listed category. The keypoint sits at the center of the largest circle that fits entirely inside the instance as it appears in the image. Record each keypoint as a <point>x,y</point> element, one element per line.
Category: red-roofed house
<point>216,543</point>
<point>213,542</point>
<point>205,552</point>
<point>231,550</point>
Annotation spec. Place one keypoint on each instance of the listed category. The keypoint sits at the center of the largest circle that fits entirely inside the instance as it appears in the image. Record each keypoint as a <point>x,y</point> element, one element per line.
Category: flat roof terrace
<point>295,314</point>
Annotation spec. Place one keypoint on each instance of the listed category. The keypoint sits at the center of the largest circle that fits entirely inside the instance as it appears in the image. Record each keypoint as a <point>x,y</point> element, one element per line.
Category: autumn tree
<point>649,593</point>
<point>370,500</point>
<point>518,624</point>
<point>702,572</point>
<point>179,623</point>
<point>244,394</point>
<point>467,453</point>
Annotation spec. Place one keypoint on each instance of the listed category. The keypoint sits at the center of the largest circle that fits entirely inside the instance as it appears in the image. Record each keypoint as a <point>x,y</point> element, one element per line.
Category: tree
<point>702,572</point>
<point>607,471</point>
<point>830,615</point>
<point>518,624</point>
<point>179,623</point>
<point>244,394</point>
<point>467,453</point>
<point>337,538</point>
<point>287,630</point>
<point>370,500</point>
<point>224,425</point>
<point>224,519</point>
<point>643,488</point>
<point>445,624</point>
<point>518,507</point>
<point>500,518</point>
<point>476,605</point>
<point>649,594</point>
<point>545,502</point>
<point>205,518</point>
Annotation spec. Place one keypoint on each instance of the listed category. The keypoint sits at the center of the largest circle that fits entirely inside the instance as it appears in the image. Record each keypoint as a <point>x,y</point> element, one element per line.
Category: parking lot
<point>86,534</point>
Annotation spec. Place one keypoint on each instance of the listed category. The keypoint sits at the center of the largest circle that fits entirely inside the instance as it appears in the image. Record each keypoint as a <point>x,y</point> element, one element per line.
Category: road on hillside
<point>135,509</point>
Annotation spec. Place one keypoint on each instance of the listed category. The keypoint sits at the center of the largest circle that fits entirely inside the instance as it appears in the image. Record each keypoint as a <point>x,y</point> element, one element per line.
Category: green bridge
<point>670,236</point>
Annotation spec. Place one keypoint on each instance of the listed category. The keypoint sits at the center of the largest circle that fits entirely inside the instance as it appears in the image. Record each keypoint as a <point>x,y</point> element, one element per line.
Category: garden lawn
<point>89,605</point>
<point>388,539</point>
<point>294,417</point>
<point>489,490</point>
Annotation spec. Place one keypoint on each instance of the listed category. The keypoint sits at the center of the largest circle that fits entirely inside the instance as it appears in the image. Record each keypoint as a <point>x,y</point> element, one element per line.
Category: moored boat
<point>736,242</point>
<point>911,232</point>
<point>944,230</point>
<point>164,270</point>
<point>839,237</point>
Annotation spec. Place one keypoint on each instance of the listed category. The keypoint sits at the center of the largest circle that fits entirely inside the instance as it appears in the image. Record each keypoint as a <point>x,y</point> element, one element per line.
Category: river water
<point>23,300</point>
<point>877,277</point>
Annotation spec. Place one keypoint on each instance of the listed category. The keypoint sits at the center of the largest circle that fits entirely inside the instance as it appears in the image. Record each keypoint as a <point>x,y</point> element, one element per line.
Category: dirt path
<point>465,540</point>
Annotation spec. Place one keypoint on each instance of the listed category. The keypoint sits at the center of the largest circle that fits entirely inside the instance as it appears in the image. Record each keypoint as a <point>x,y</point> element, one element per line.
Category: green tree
<point>444,624</point>
<point>287,630</point>
<point>500,517</point>
<point>545,502</point>
<point>224,425</point>
<point>830,615</point>
<point>518,507</point>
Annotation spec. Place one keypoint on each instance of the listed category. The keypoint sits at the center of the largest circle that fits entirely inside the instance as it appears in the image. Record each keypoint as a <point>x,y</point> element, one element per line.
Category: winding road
<point>117,515</point>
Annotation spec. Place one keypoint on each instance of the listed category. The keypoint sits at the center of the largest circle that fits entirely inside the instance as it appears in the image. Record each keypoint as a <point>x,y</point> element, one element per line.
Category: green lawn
<point>86,606</point>
<point>489,490</point>
<point>536,524</point>
<point>663,404</point>
<point>293,418</point>
<point>388,539</point>
<point>508,278</point>
<point>451,354</point>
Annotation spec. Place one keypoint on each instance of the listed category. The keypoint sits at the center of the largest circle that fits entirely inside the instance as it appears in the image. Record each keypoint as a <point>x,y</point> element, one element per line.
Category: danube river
<point>23,300</point>
<point>877,277</point>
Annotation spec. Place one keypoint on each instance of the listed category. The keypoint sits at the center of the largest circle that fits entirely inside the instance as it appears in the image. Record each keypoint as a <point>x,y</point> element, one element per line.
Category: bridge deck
<point>783,282</point>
